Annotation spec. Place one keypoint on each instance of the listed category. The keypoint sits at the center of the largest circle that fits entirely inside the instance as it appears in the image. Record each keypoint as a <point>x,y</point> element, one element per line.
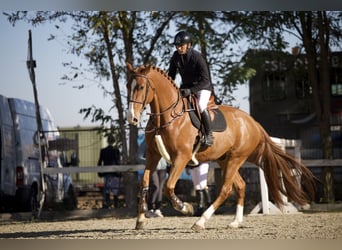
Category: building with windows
<point>281,100</point>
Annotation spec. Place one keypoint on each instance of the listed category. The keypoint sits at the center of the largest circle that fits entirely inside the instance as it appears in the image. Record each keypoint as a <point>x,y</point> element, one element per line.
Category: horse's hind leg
<point>230,177</point>
<point>240,188</point>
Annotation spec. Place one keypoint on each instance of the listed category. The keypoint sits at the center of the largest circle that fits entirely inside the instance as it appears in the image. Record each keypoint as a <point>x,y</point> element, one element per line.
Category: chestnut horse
<point>170,134</point>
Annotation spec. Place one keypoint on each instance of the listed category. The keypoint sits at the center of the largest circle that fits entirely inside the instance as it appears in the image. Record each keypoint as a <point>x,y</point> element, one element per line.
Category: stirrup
<point>208,140</point>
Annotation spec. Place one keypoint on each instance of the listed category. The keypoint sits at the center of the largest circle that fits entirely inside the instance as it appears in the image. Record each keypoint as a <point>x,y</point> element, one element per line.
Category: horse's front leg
<point>169,190</point>
<point>142,206</point>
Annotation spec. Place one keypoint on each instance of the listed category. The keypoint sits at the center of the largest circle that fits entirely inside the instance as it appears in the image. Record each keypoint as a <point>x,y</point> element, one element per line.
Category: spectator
<point>74,161</point>
<point>63,158</point>
<point>199,176</point>
<point>110,156</point>
<point>156,190</point>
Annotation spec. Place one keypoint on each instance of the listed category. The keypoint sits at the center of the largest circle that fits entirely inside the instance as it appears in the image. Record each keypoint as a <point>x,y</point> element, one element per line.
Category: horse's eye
<point>140,87</point>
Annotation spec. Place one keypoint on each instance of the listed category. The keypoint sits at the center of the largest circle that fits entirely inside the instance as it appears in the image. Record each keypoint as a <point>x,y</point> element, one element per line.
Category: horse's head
<point>140,92</point>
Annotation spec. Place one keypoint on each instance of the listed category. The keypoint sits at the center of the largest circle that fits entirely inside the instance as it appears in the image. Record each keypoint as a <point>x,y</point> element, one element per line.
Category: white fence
<point>138,167</point>
<point>264,206</point>
<point>95,169</point>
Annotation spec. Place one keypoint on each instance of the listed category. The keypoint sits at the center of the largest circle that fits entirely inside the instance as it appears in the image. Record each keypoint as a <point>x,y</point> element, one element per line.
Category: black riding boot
<point>208,136</point>
<point>207,197</point>
<point>201,204</point>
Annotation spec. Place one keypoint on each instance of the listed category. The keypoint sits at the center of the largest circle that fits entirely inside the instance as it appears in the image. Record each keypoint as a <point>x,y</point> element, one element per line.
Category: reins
<point>174,115</point>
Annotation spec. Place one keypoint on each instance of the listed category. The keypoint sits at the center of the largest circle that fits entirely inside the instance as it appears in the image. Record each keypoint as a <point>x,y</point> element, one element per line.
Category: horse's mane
<point>146,69</point>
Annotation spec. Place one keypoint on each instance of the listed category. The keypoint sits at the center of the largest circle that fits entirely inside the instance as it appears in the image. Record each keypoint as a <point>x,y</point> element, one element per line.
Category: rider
<point>194,72</point>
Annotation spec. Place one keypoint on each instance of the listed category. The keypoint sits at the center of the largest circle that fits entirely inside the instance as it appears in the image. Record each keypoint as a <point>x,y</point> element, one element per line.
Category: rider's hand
<point>185,92</point>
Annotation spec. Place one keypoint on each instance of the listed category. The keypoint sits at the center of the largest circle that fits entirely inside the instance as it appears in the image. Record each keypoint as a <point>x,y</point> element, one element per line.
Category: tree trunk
<point>320,83</point>
<point>324,123</point>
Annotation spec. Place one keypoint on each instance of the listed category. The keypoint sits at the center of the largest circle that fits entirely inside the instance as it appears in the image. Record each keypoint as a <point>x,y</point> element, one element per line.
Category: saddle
<point>218,122</point>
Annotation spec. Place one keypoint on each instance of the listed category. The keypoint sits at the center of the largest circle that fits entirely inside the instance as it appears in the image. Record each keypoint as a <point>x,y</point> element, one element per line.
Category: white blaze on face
<point>130,113</point>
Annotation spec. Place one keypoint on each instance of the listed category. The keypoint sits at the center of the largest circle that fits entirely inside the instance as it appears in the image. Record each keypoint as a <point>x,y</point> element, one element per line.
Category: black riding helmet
<point>182,37</point>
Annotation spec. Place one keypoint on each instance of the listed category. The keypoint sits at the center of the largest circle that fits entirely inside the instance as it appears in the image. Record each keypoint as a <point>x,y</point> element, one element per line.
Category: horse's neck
<point>166,96</point>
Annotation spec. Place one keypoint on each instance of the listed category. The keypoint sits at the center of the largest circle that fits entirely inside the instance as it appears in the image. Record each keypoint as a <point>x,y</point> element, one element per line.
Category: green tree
<point>217,43</point>
<point>107,40</point>
<point>318,31</point>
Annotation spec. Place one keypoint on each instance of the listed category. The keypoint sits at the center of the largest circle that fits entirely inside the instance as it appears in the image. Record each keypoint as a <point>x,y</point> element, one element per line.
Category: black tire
<point>33,203</point>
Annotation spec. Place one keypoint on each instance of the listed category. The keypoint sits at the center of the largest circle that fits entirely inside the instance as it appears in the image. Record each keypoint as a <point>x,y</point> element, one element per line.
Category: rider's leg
<point>203,99</point>
<point>208,136</point>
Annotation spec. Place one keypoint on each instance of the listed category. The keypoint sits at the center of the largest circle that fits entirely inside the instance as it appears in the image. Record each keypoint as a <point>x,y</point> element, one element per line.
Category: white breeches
<point>199,176</point>
<point>203,97</point>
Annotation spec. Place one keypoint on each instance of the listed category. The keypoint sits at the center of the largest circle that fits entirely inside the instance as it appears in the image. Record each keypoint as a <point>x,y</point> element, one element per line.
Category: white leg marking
<point>205,216</point>
<point>238,217</point>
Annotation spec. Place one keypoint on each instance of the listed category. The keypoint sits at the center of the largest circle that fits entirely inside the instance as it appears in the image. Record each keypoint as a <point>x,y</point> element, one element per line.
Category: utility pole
<point>31,64</point>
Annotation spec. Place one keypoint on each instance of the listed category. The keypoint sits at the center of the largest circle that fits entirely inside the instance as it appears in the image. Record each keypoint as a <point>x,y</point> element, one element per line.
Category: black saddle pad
<point>219,123</point>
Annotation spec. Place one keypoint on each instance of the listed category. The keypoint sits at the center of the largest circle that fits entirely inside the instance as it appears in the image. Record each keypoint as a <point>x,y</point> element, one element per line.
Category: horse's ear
<point>129,66</point>
<point>148,68</point>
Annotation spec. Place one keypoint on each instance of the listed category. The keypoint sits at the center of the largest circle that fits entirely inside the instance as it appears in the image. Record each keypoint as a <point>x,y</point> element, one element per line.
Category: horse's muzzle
<point>132,119</point>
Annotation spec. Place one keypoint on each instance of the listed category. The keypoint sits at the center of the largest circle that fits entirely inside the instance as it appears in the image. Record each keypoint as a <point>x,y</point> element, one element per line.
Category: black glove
<point>185,92</point>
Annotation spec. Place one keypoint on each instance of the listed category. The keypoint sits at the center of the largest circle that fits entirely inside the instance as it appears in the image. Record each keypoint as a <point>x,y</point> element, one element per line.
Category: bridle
<point>148,85</point>
<point>171,107</point>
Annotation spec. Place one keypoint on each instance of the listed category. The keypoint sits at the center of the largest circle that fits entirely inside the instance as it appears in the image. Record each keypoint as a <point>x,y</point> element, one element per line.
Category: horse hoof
<point>234,224</point>
<point>188,209</point>
<point>140,225</point>
<point>197,228</point>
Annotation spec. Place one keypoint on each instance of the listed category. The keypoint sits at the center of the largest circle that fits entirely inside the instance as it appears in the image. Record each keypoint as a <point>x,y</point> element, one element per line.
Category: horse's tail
<point>281,171</point>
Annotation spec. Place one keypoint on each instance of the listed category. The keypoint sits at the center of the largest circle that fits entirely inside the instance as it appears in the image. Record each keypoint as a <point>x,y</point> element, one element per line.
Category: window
<point>336,86</point>
<point>303,88</point>
<point>336,89</point>
<point>274,87</point>
<point>336,82</point>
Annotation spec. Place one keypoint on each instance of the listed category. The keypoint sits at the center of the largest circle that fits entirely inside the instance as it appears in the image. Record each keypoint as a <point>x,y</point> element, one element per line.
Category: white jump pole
<point>265,206</point>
